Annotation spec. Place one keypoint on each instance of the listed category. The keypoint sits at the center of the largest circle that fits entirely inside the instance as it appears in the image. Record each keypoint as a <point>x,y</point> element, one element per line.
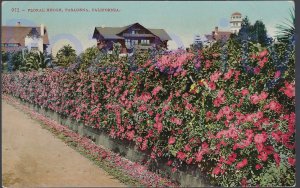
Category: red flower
<point>260,138</point>
<point>263,95</point>
<point>289,90</point>
<point>258,166</point>
<point>263,156</point>
<point>241,164</point>
<point>171,140</point>
<point>254,99</point>
<point>169,163</point>
<point>228,75</point>
<point>215,76</point>
<point>212,85</point>
<point>244,182</point>
<point>291,161</point>
<point>216,170</point>
<point>181,155</point>
<point>263,53</point>
<point>277,158</point>
<point>256,70</point>
<point>199,156</point>
<point>187,148</point>
<point>245,92</point>
<point>277,74</point>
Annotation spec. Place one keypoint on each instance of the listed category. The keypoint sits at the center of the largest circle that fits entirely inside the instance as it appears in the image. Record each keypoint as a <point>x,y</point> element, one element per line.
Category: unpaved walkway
<point>33,157</point>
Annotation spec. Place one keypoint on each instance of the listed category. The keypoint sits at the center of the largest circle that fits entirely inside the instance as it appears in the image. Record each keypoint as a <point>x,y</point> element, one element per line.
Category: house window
<point>145,41</point>
<point>133,32</point>
<point>9,45</point>
<point>127,42</point>
<point>135,42</point>
<point>34,48</point>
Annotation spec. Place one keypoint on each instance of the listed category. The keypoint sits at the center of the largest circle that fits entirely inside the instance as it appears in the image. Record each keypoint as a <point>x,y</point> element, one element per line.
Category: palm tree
<point>66,56</point>
<point>286,30</point>
<point>35,61</point>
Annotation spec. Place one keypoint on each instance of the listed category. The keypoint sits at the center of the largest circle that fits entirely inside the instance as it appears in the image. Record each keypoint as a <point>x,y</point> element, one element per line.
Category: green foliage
<point>65,56</point>
<point>286,30</point>
<point>87,57</point>
<point>255,33</point>
<point>35,61</point>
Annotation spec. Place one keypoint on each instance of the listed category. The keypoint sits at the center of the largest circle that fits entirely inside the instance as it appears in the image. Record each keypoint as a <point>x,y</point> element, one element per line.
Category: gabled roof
<point>17,34</point>
<point>112,32</point>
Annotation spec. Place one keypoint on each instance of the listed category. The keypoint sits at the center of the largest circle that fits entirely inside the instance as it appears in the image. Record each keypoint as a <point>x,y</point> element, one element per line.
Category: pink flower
<point>156,90</point>
<point>275,106</point>
<point>291,161</point>
<point>212,85</point>
<point>258,166</point>
<point>256,70</point>
<point>207,64</point>
<point>260,138</point>
<point>229,74</point>
<point>277,158</point>
<point>254,99</point>
<point>175,120</point>
<point>139,139</point>
<point>289,90</point>
<point>241,164</point>
<point>215,76</point>
<point>263,53</point>
<point>187,147</point>
<point>263,95</point>
<point>171,140</point>
<point>169,163</point>
<point>199,156</point>
<point>216,170</point>
<point>245,92</point>
<point>262,62</point>
<point>181,155</point>
<point>277,74</point>
<point>226,110</point>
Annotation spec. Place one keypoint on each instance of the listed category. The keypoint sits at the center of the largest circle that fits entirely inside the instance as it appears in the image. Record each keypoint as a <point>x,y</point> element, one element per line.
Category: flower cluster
<point>229,123</point>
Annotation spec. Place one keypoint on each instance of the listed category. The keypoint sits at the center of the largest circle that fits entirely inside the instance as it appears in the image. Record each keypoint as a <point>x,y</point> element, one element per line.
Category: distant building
<point>218,35</point>
<point>129,36</point>
<point>235,22</point>
<point>15,38</point>
<point>235,26</point>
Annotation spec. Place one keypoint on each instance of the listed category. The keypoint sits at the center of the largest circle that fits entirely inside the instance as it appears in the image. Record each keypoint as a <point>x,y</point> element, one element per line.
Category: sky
<point>182,20</point>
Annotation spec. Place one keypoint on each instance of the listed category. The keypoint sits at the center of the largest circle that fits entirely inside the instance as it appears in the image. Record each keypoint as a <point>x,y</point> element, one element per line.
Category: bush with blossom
<point>232,114</point>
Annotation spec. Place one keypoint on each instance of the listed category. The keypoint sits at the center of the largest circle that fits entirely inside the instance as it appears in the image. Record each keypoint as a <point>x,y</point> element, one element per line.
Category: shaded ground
<point>32,156</point>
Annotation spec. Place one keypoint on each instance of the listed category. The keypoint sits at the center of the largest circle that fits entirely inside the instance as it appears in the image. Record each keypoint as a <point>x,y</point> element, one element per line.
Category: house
<point>15,38</point>
<point>129,36</point>
<point>235,25</point>
<point>218,35</point>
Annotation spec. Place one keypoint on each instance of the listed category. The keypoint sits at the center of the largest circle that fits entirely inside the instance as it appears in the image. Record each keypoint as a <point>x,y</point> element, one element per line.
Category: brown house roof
<point>236,13</point>
<point>112,32</point>
<point>17,34</point>
<point>222,35</point>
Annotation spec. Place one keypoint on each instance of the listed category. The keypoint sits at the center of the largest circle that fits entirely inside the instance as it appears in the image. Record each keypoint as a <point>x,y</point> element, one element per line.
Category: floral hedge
<point>232,114</point>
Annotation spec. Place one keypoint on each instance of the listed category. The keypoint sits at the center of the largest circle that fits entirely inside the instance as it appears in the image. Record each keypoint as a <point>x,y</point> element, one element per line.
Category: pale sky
<point>182,20</point>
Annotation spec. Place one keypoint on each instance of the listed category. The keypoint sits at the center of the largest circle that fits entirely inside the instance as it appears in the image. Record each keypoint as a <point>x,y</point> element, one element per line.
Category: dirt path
<point>33,157</point>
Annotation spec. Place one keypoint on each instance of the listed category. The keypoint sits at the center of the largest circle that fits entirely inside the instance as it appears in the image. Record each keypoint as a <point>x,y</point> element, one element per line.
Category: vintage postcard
<point>151,93</point>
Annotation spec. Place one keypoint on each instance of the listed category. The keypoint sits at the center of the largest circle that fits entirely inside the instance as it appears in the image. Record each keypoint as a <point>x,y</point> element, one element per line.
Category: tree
<point>245,29</point>
<point>286,31</point>
<point>87,57</point>
<point>259,33</point>
<point>256,33</point>
<point>65,56</point>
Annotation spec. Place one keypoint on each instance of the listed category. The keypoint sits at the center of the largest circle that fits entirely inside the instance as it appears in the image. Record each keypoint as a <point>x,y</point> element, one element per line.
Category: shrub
<point>231,114</point>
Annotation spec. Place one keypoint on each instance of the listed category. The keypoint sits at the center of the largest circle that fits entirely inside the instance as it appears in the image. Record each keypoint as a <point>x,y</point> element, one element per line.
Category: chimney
<point>42,29</point>
<point>216,29</point>
<point>18,24</point>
